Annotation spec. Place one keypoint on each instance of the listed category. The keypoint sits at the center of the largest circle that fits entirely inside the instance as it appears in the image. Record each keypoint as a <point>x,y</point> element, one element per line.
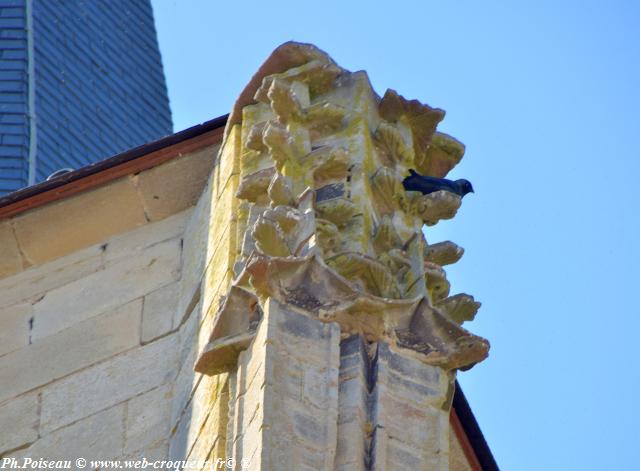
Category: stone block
<point>400,456</point>
<point>18,422</point>
<point>79,221</point>
<point>216,272</point>
<point>229,160</point>
<point>195,250</point>
<point>159,312</point>
<point>177,184</point>
<point>409,367</point>
<point>100,436</point>
<point>410,379</point>
<point>223,212</point>
<point>120,282</point>
<point>108,383</point>
<point>70,350</point>
<point>139,239</point>
<point>148,419</point>
<point>15,321</point>
<point>353,404</point>
<point>351,446</point>
<point>288,393</point>
<point>39,279</point>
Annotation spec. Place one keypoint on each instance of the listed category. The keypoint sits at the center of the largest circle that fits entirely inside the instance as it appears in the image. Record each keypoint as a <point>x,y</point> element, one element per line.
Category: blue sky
<point>546,97</point>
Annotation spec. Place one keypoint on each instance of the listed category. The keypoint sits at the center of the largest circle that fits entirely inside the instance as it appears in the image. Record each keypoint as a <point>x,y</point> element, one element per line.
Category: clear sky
<point>546,97</point>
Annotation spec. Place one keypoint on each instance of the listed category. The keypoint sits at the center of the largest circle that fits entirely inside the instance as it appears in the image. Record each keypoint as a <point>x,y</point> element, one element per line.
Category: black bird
<point>426,184</point>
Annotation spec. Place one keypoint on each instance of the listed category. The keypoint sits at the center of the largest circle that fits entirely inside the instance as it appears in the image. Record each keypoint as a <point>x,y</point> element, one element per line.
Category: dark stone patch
<point>300,297</point>
<point>304,326</point>
<point>327,192</point>
<point>408,367</point>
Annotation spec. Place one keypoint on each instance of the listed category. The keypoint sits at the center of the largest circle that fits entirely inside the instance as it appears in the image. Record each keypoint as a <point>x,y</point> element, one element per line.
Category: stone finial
<point>325,224</point>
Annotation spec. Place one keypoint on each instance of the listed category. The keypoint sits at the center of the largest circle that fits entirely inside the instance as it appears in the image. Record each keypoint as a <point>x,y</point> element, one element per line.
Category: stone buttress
<point>333,319</point>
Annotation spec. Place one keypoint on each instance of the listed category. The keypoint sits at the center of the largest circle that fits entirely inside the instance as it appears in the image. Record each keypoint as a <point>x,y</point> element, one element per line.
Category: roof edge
<point>130,161</point>
<point>472,430</point>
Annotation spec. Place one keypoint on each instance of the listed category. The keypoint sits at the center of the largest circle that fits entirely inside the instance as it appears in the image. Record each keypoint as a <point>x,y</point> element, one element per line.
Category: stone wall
<point>90,347</point>
<point>100,319</point>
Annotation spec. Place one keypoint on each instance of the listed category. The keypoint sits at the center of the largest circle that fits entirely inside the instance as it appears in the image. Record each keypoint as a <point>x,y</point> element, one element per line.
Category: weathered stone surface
<point>69,350</point>
<point>100,436</point>
<point>18,422</point>
<point>287,392</point>
<point>52,231</point>
<point>11,260</point>
<point>334,240</point>
<point>147,421</point>
<point>109,383</point>
<point>15,321</point>
<point>120,282</point>
<point>410,413</point>
<point>175,185</point>
<point>159,312</point>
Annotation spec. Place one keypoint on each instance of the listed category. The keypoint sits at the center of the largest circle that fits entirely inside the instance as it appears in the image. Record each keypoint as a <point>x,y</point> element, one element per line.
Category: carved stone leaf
<point>443,253</point>
<point>287,218</point>
<point>460,307</point>
<point>396,145</point>
<point>386,188</point>
<point>280,190</point>
<point>422,119</point>
<point>444,153</point>
<point>328,235</point>
<point>324,118</point>
<point>255,185</point>
<point>269,238</point>
<point>317,74</point>
<point>337,210</point>
<point>254,137</point>
<point>436,206</point>
<point>376,278</point>
<point>279,142</point>
<point>386,237</point>
<point>284,101</point>
<point>437,283</point>
<point>327,162</point>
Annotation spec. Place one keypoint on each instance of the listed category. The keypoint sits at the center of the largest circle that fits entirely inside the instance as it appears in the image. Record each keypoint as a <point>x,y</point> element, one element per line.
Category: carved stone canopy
<point>325,224</point>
